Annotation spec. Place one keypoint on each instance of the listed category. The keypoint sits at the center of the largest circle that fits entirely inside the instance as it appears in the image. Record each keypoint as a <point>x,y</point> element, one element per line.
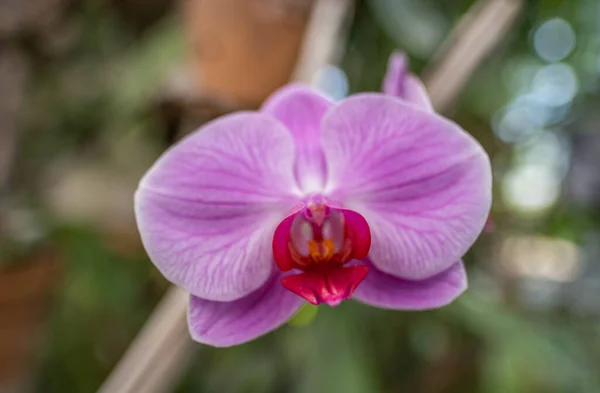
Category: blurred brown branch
<point>323,37</point>
<point>473,39</point>
<point>159,351</point>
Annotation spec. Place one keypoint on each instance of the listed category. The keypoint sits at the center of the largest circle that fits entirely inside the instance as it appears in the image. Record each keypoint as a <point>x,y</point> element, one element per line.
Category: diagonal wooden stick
<point>473,39</point>
<point>157,356</point>
<point>324,33</point>
<point>159,351</point>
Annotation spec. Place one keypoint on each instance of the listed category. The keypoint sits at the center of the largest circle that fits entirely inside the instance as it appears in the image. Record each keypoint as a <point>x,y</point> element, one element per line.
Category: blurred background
<point>92,91</point>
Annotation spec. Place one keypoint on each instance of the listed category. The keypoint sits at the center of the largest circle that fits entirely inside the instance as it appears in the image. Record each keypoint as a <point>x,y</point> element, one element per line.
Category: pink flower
<point>374,198</point>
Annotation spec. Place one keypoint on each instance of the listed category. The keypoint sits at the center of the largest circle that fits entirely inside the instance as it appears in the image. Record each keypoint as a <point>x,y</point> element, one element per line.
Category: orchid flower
<point>374,198</point>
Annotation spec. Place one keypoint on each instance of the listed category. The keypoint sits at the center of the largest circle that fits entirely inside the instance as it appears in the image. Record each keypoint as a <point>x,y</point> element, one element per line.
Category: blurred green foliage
<point>103,300</point>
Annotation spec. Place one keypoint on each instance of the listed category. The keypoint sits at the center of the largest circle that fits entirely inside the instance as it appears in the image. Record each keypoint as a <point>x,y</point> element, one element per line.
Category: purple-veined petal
<point>385,291</point>
<point>207,209</point>
<point>301,110</point>
<point>422,183</point>
<point>223,324</point>
<point>400,83</point>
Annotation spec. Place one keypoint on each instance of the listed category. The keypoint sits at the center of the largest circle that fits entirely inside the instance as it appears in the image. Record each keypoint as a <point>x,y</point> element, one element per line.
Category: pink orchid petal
<point>422,183</point>
<point>223,324</point>
<point>207,209</point>
<point>400,83</point>
<point>301,110</point>
<point>386,291</point>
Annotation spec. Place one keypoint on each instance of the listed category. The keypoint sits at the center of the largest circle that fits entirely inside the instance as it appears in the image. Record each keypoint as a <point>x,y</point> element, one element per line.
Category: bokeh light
<point>554,40</point>
<point>531,188</point>
<point>332,81</point>
<point>555,85</point>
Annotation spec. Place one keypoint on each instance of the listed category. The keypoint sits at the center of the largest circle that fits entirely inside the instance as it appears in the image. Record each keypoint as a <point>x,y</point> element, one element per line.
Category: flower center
<point>319,240</point>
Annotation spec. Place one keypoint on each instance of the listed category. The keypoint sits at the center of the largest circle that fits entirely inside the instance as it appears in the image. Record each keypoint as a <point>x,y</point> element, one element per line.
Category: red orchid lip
<point>326,284</point>
<point>319,240</point>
